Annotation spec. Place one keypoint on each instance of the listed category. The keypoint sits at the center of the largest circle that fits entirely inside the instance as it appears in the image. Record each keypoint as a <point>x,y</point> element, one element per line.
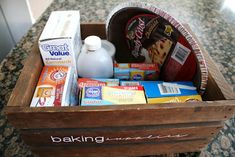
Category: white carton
<point>60,41</point>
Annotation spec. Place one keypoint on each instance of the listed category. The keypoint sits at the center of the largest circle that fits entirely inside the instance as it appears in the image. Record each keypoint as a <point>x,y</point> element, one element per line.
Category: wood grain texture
<point>97,29</point>
<point>118,135</point>
<point>120,115</point>
<point>25,86</point>
<point>122,150</point>
<point>217,85</point>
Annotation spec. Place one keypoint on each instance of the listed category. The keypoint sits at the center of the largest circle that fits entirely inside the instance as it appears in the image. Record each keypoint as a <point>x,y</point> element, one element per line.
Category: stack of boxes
<point>59,44</point>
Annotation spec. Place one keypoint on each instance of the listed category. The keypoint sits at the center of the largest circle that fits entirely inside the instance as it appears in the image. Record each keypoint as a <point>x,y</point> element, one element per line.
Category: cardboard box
<point>83,82</point>
<point>160,89</point>
<point>122,71</point>
<point>60,41</point>
<point>142,71</point>
<point>115,95</point>
<point>56,87</point>
<point>175,99</point>
<point>136,71</point>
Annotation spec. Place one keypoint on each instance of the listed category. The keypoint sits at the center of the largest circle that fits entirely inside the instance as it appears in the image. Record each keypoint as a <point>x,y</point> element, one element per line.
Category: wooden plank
<point>213,91</point>
<point>120,115</point>
<point>122,150</point>
<point>25,86</point>
<point>118,135</point>
<point>97,29</point>
<point>217,85</point>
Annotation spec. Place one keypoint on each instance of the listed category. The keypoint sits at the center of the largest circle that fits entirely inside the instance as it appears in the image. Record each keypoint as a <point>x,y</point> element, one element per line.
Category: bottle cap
<point>93,43</point>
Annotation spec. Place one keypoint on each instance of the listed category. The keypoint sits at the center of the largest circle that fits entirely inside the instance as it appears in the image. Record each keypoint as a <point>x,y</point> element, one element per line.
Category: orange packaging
<point>55,87</point>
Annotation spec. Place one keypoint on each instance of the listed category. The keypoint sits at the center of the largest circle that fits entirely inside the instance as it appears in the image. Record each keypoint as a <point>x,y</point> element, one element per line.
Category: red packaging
<point>181,64</point>
<point>82,82</point>
<point>151,71</point>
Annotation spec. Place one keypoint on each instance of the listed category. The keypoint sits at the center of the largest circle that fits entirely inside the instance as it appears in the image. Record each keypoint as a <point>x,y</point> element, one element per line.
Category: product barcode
<point>168,90</point>
<point>180,53</point>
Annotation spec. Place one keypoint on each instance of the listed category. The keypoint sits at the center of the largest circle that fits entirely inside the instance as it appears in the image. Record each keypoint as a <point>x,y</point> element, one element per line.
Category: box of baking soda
<point>57,86</point>
<point>112,95</point>
<point>60,41</point>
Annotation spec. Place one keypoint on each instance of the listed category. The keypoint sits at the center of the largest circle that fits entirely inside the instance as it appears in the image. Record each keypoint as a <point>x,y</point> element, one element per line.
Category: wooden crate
<point>126,130</point>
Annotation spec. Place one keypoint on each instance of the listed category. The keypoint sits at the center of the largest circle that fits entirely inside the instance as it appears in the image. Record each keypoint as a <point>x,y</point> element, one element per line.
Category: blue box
<point>157,89</point>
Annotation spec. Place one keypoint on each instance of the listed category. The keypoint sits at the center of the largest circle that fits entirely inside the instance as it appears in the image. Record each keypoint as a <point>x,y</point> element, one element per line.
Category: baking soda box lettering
<point>112,95</point>
<point>57,86</point>
<point>60,41</point>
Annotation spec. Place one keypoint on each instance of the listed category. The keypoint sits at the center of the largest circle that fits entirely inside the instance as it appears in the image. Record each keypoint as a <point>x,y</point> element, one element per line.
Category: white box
<point>60,42</point>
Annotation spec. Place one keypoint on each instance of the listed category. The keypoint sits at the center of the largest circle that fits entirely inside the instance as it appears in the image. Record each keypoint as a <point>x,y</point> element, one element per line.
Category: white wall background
<point>6,40</point>
<point>37,7</point>
<point>16,17</point>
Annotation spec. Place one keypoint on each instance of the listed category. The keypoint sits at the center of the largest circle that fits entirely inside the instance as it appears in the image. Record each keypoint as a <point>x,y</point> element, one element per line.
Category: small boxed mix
<point>112,95</point>
<point>60,41</point>
<point>84,82</point>
<point>159,91</point>
<point>122,71</point>
<point>136,71</point>
<point>142,71</point>
<point>57,86</point>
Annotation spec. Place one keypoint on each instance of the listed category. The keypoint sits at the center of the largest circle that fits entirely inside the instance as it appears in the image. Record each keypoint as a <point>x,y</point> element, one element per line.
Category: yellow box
<point>112,95</point>
<point>190,98</point>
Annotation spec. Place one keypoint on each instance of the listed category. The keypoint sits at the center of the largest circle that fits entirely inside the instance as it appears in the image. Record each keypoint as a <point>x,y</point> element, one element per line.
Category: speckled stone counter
<point>213,24</point>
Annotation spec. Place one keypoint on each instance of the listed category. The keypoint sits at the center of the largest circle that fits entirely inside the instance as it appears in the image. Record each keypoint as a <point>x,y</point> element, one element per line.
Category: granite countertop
<point>213,24</point>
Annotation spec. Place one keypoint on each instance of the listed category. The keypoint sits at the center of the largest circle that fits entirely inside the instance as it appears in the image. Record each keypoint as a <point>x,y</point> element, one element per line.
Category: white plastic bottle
<point>94,61</point>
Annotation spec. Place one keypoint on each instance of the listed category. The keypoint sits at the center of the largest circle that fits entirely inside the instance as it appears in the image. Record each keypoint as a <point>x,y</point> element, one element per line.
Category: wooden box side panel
<point>26,84</point>
<point>119,135</point>
<point>217,86</point>
<point>122,150</point>
<point>124,115</point>
<point>97,29</point>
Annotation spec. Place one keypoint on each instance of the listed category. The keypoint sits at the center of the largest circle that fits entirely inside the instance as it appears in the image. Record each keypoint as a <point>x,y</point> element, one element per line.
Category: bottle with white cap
<point>94,61</point>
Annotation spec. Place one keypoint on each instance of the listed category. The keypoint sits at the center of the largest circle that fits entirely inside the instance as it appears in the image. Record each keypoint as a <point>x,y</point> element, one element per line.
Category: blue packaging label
<point>137,77</point>
<point>93,92</point>
<point>56,50</point>
<point>157,89</point>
